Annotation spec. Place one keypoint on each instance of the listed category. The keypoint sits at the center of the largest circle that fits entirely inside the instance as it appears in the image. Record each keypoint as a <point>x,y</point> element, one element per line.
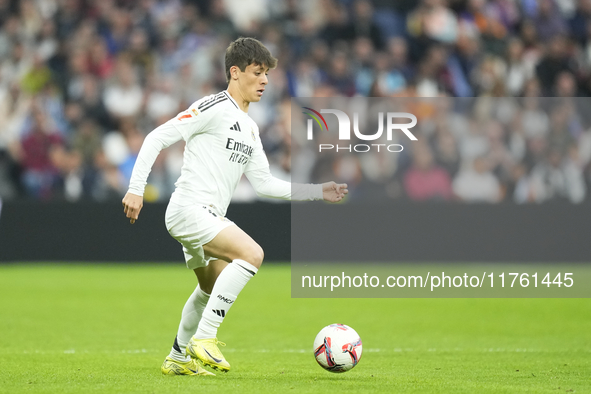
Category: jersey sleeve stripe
<point>207,103</point>
<point>212,104</point>
<point>211,100</point>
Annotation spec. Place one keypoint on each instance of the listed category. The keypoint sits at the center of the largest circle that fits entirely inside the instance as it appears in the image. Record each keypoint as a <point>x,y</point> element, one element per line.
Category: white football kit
<point>222,144</point>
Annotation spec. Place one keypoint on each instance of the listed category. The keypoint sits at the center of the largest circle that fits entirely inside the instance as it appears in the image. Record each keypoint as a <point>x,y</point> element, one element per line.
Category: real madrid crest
<point>252,134</point>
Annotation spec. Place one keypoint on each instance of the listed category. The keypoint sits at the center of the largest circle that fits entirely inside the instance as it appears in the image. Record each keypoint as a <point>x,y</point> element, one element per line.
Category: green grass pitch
<point>107,328</point>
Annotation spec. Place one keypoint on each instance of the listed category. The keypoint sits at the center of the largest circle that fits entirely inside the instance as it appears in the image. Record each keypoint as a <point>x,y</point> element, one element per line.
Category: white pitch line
<point>368,350</point>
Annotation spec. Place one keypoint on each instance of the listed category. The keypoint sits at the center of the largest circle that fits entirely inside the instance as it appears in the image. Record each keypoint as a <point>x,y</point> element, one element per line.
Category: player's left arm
<point>334,192</point>
<point>266,185</point>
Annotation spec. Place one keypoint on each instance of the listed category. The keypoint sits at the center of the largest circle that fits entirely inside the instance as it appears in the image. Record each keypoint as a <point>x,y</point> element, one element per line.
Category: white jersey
<point>222,143</point>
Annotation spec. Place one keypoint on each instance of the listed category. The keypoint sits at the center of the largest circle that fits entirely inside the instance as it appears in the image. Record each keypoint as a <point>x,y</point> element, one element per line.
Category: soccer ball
<point>337,348</point>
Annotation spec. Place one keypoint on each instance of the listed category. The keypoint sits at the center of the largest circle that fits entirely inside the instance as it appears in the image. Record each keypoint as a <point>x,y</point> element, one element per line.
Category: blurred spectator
<point>87,144</point>
<point>519,189</point>
<point>474,143</point>
<point>133,140</point>
<point>14,108</point>
<point>563,128</point>
<point>517,71</point>
<point>364,24</point>
<point>579,23</point>
<point>340,76</point>
<point>124,96</point>
<point>389,74</point>
<point>425,180</point>
<point>432,19</point>
<point>499,157</point>
<point>117,30</point>
<point>386,81</point>
<point>161,103</point>
<point>37,77</point>
<point>170,58</point>
<point>69,165</point>
<point>557,178</point>
<point>30,18</point>
<point>548,20</point>
<point>10,34</point>
<point>67,18</point>
<point>476,183</point>
<point>305,77</point>
<point>110,182</point>
<point>92,103</point>
<point>565,85</point>
<point>40,174</point>
<point>17,64</point>
<point>101,62</point>
<point>77,69</point>
<point>337,25</point>
<point>534,121</point>
<point>532,46</point>
<point>46,41</point>
<point>491,20</point>
<point>489,77</point>
<point>140,54</point>
<point>446,152</point>
<point>431,75</point>
<point>219,19</point>
<point>553,63</point>
<point>246,19</point>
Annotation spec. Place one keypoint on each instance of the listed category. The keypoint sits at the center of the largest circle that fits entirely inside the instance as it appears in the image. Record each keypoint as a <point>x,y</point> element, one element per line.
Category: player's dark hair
<point>245,51</point>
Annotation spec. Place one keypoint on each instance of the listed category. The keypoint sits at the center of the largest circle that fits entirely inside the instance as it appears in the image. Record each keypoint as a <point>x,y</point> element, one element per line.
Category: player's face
<point>253,81</point>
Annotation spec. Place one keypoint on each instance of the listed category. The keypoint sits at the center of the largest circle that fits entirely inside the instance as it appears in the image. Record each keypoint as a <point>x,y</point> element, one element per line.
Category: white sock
<point>227,287</point>
<point>189,321</point>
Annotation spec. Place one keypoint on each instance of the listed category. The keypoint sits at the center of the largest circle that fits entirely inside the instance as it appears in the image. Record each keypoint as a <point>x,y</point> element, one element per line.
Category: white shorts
<point>194,226</point>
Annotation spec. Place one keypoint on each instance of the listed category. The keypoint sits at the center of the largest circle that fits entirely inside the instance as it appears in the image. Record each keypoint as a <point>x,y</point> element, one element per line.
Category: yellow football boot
<point>207,351</point>
<point>191,367</point>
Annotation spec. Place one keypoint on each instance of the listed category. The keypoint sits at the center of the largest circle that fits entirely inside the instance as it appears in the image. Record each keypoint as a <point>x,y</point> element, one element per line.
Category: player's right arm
<point>162,137</point>
<point>181,127</point>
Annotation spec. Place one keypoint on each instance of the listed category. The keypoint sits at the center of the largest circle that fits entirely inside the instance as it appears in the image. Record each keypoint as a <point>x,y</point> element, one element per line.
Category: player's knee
<point>254,255</point>
<point>260,256</point>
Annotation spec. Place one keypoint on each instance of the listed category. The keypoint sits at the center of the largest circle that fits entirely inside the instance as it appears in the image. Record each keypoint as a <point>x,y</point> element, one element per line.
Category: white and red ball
<point>337,348</point>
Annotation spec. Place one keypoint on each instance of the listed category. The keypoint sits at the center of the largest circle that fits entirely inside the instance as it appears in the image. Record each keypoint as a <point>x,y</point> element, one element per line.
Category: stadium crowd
<point>83,81</point>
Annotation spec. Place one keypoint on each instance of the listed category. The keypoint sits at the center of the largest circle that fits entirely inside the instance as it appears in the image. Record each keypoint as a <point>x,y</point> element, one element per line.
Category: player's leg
<point>206,276</point>
<point>194,307</point>
<point>177,362</point>
<point>190,317</point>
<point>247,256</point>
<point>231,244</point>
<point>181,223</point>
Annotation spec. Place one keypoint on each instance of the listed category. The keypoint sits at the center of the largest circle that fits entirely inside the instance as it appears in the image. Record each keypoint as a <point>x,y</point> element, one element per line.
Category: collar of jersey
<point>232,98</point>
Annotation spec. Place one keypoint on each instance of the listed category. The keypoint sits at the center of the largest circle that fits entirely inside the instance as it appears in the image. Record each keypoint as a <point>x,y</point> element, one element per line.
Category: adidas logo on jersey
<point>236,127</point>
<point>219,312</point>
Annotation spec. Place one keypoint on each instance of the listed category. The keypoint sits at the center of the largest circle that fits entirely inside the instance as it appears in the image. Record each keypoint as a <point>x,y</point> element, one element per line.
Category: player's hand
<point>334,192</point>
<point>132,205</point>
